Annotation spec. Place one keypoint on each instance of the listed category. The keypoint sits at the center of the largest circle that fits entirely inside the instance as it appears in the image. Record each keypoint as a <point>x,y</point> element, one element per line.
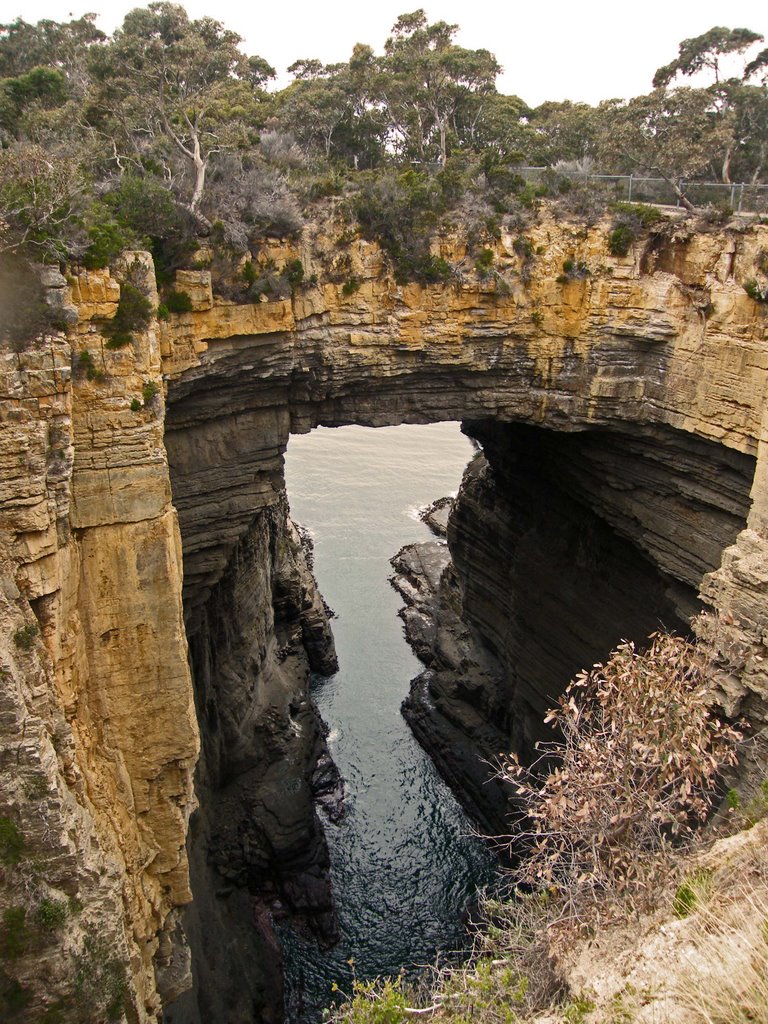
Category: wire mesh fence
<point>741,197</point>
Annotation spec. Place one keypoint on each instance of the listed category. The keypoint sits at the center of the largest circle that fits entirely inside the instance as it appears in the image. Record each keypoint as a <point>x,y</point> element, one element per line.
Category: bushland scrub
<point>610,814</point>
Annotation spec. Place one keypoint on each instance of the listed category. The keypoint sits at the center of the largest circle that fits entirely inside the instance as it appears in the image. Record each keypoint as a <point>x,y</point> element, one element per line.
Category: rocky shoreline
<point>447,707</point>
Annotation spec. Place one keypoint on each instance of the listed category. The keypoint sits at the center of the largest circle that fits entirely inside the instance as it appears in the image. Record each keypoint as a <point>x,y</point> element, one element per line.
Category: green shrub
<point>14,933</point>
<point>177,301</point>
<point>136,405</point>
<point>151,388</point>
<point>293,272</point>
<point>400,211</point>
<point>145,208</point>
<point>577,1009</point>
<point>484,263</point>
<point>86,365</point>
<point>51,915</point>
<point>573,270</point>
<point>162,311</point>
<point>24,637</point>
<point>641,212</point>
<point>523,247</point>
<point>631,219</point>
<point>134,313</point>
<point>377,1002</point>
<point>755,291</point>
<point>106,241</point>
<point>351,286</point>
<point>692,892</point>
<point>620,240</point>
<point>11,842</point>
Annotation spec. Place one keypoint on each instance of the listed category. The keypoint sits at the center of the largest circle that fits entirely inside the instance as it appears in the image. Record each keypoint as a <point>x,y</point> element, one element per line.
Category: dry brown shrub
<point>633,775</point>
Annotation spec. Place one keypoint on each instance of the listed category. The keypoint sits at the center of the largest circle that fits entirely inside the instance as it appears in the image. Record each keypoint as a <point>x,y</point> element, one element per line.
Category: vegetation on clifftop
<point>166,131</point>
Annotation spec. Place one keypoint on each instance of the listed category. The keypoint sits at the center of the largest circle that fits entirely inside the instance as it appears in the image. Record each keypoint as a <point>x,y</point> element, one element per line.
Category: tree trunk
<point>443,147</point>
<point>726,173</point>
<point>201,165</point>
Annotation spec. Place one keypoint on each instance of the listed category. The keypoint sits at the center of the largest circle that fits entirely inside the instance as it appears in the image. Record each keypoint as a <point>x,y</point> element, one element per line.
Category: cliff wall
<point>640,385</point>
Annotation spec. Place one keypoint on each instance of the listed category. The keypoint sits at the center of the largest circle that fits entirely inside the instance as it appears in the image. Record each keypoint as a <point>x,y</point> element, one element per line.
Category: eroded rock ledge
<point>99,472</point>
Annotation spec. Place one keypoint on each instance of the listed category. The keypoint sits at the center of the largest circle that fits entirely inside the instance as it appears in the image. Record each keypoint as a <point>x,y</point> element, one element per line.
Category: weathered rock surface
<point>98,706</point>
<point>621,377</point>
<point>454,706</point>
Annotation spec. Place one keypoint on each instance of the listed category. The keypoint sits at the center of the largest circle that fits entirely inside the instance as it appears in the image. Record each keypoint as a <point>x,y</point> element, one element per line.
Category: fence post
<point>629,197</point>
<point>741,196</point>
<point>733,197</point>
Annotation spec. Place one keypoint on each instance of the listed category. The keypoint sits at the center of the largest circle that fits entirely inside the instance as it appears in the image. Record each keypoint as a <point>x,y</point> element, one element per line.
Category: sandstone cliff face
<point>98,708</point>
<point>654,366</point>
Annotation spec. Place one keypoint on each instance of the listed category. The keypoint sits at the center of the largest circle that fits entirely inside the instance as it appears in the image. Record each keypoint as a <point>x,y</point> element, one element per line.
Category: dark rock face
<point>562,545</point>
<point>257,849</point>
<point>453,707</point>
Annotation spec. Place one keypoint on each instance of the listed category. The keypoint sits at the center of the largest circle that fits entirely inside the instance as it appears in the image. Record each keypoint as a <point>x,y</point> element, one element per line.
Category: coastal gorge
<point>161,754</point>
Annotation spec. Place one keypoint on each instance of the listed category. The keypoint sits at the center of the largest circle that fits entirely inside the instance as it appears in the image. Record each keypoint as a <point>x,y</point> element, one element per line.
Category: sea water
<point>404,860</point>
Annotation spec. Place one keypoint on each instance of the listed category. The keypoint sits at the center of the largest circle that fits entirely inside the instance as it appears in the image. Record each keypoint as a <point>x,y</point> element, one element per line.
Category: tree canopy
<point>168,129</point>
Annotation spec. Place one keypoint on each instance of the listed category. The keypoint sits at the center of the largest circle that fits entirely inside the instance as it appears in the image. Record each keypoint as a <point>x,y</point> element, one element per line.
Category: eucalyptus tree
<point>330,108</point>
<point>738,103</point>
<point>62,45</point>
<point>166,82</point>
<point>431,89</point>
<point>671,134</point>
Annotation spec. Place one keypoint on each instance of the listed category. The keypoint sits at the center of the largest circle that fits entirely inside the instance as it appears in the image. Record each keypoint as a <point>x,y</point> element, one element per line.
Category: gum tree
<point>167,80</point>
<point>428,85</point>
<point>738,106</point>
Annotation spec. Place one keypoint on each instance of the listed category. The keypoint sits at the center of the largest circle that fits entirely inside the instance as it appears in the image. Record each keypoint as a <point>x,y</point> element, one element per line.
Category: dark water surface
<point>404,863</point>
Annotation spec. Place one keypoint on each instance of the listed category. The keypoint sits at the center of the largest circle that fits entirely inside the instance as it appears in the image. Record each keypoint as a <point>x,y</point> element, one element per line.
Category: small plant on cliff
<point>151,388</point>
<point>24,637</point>
<point>293,272</point>
<point>351,286</point>
<point>630,779</point>
<point>86,366</point>
<point>177,301</point>
<point>484,264</point>
<point>11,842</point>
<point>573,270</point>
<point>50,915</point>
<point>134,312</point>
<point>756,291</point>
<point>692,892</point>
<point>620,239</point>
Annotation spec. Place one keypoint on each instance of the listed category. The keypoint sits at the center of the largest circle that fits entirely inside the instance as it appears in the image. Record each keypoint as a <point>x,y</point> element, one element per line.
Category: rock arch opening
<point>564,542</point>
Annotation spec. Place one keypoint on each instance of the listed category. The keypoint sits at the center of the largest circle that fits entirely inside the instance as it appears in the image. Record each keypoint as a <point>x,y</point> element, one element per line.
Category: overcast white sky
<point>550,49</point>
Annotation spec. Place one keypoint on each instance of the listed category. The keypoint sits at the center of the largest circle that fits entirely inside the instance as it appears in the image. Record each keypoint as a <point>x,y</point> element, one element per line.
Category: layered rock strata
<point>101,736</point>
<point>562,546</point>
<point>98,708</point>
<point>257,848</point>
